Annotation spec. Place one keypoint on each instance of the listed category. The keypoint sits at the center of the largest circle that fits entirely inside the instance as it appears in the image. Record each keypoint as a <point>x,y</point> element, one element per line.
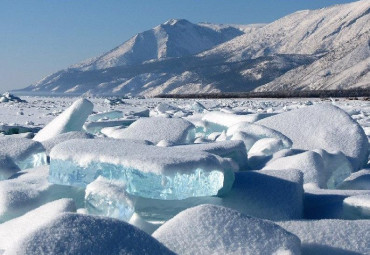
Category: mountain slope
<point>174,38</point>
<point>314,49</point>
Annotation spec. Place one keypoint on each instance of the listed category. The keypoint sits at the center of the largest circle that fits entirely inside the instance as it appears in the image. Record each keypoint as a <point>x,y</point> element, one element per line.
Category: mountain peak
<point>173,22</point>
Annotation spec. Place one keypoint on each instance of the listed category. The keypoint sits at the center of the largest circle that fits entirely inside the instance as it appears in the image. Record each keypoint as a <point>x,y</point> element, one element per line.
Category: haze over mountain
<point>327,48</point>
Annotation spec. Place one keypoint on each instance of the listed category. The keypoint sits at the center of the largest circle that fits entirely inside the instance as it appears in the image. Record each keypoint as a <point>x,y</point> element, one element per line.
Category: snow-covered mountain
<point>313,49</point>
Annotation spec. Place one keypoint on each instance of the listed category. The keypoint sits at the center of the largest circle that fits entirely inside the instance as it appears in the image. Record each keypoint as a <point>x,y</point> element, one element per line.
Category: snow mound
<point>98,126</point>
<point>323,127</point>
<point>209,229</point>
<point>358,180</point>
<point>155,129</point>
<point>30,189</point>
<point>72,119</point>
<point>357,207</point>
<point>331,237</point>
<point>149,171</point>
<point>7,97</point>
<point>82,234</point>
<point>19,153</point>
<point>14,230</point>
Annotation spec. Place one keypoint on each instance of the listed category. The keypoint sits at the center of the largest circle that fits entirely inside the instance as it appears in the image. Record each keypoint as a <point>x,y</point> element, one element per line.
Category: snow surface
<point>83,234</point>
<point>357,207</point>
<point>210,229</point>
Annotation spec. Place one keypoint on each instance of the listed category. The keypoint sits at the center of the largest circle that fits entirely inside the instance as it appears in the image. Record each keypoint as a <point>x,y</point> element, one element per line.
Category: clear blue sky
<point>39,37</point>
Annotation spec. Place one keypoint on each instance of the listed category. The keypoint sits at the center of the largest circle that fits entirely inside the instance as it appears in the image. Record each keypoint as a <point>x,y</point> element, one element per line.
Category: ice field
<point>184,176</point>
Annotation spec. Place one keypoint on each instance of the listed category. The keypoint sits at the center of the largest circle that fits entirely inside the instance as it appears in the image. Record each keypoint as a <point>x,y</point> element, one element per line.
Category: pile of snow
<point>331,237</point>
<point>209,229</point>
<point>357,180</point>
<point>71,119</point>
<point>357,207</point>
<point>19,153</point>
<point>30,189</point>
<point>82,234</point>
<point>156,129</point>
<point>323,127</point>
<point>12,231</point>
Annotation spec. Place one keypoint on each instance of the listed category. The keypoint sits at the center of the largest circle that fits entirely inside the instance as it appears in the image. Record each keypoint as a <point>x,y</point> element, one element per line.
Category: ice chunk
<point>198,107</point>
<point>149,171</point>
<point>96,127</point>
<point>331,237</point>
<point>14,230</point>
<point>155,129</point>
<point>310,163</point>
<point>209,229</point>
<point>311,128</point>
<point>109,198</point>
<point>357,207</point>
<point>30,189</point>
<point>226,149</point>
<point>72,119</point>
<point>19,153</point>
<point>357,180</point>
<point>166,108</point>
<point>256,132</point>
<point>72,233</point>
<point>111,115</point>
<point>268,194</point>
<point>50,143</point>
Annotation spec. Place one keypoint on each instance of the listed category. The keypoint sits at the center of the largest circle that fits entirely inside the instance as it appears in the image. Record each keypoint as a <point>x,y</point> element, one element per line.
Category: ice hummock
<point>109,198</point>
<point>149,171</point>
<point>72,119</point>
<point>19,153</point>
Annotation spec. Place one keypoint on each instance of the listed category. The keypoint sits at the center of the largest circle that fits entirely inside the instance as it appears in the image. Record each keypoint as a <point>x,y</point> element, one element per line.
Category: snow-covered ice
<point>210,229</point>
<point>357,207</point>
<point>71,119</point>
<point>149,171</point>
<point>357,180</point>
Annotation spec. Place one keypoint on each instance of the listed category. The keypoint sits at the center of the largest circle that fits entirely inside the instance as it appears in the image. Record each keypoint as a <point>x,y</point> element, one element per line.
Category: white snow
<point>210,229</point>
<point>71,119</point>
<point>323,127</point>
<point>73,233</point>
<point>357,207</point>
<point>173,130</point>
<point>331,237</point>
<point>357,180</point>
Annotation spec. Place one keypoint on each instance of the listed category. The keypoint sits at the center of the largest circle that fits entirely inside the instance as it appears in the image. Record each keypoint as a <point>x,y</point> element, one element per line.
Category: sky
<point>39,37</point>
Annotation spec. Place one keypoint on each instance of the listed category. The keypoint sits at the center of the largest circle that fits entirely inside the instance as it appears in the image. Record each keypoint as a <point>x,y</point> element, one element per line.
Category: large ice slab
<point>72,119</point>
<point>30,189</point>
<point>109,198</point>
<point>72,233</point>
<point>19,153</point>
<point>331,237</point>
<point>149,171</point>
<point>96,127</point>
<point>323,127</point>
<point>209,229</point>
<point>110,115</point>
<point>155,129</point>
<point>14,230</point>
<point>357,207</point>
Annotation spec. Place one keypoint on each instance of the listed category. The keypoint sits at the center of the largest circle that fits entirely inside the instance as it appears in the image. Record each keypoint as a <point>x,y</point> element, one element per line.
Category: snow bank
<point>155,129</point>
<point>72,233</point>
<point>14,230</point>
<point>209,229</point>
<point>358,180</point>
<point>19,153</point>
<point>150,171</point>
<point>323,127</point>
<point>72,119</point>
<point>30,189</point>
<point>331,237</point>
